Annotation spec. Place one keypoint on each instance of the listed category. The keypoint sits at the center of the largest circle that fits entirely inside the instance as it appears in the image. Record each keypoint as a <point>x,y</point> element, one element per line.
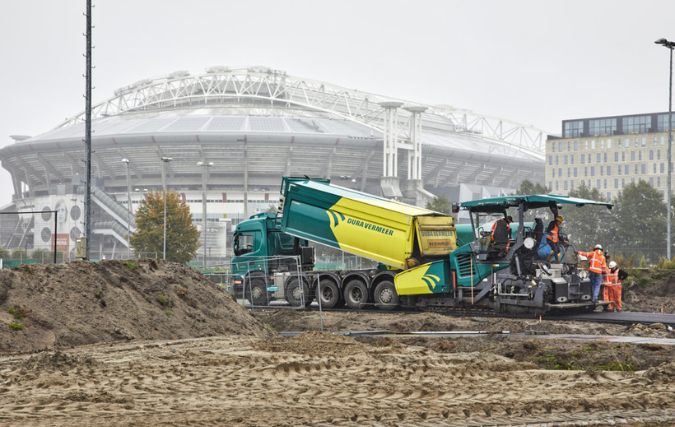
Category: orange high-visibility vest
<point>554,234</point>
<point>596,260</point>
<point>614,277</point>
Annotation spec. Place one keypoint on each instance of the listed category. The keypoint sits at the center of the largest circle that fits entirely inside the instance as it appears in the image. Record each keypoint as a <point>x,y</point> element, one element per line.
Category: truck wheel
<point>329,294</point>
<point>257,294</point>
<point>294,293</point>
<point>356,294</point>
<point>386,297</point>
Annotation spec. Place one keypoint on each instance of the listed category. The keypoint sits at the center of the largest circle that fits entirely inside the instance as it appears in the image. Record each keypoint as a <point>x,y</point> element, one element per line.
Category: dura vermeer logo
<point>339,218</point>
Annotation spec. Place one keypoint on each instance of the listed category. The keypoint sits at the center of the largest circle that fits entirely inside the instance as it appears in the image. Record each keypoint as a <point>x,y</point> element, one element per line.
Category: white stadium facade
<point>231,134</point>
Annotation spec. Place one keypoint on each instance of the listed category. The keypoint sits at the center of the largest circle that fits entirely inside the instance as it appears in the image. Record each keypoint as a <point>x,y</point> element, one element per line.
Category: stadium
<point>228,135</point>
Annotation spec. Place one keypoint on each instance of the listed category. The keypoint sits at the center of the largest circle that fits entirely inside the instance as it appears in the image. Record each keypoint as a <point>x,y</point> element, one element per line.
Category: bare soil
<point>157,344</point>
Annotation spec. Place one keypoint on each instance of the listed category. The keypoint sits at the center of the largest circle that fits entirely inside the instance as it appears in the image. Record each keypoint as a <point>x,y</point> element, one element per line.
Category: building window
<point>575,172</point>
<point>616,156</point>
<point>572,158</point>
<point>643,168</point>
<point>569,172</point>
<point>651,154</point>
<point>619,169</point>
<point>623,156</point>
<point>565,159</point>
<point>609,143</point>
<point>625,170</point>
<point>618,141</point>
<point>658,181</point>
<point>598,184</point>
<point>602,170</point>
<point>589,158</point>
<point>553,173</point>
<point>583,159</point>
<point>609,196</point>
<point>658,154</point>
<point>639,155</point>
<point>592,144</point>
<point>556,160</point>
<point>662,168</point>
<point>644,141</point>
<point>651,181</point>
<point>632,156</point>
<point>609,170</point>
<point>573,129</point>
<point>550,160</point>
<point>586,144</point>
<point>575,145</point>
<point>569,143</point>
<point>602,126</point>
<point>636,124</point>
<point>592,170</point>
<point>636,169</point>
<point>654,168</point>
<point>605,157</point>
<point>585,170</point>
<point>616,182</point>
<point>605,182</point>
<point>556,185</point>
<point>654,140</point>
<point>550,186</point>
<point>565,184</point>
<point>623,182</point>
<point>572,185</point>
<point>560,172</point>
<point>597,158</point>
<point>602,144</point>
<point>663,140</point>
<point>662,123</point>
<point>553,147</point>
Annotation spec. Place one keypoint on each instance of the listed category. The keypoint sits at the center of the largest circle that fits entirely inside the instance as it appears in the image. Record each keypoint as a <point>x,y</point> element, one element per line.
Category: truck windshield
<point>243,244</point>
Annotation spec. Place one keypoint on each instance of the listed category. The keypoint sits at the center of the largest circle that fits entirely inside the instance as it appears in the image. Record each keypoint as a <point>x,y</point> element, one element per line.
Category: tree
<point>182,237</point>
<point>527,188</point>
<point>440,204</point>
<point>588,225</point>
<point>639,223</point>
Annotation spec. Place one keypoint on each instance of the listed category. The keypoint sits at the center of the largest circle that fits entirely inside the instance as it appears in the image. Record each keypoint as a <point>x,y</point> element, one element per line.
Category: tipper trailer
<point>420,263</point>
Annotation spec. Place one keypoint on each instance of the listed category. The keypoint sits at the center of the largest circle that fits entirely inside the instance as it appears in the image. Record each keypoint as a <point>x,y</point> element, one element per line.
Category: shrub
<point>643,262</point>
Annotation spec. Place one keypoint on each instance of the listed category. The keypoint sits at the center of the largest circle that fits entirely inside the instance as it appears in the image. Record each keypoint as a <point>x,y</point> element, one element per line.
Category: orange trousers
<point>612,293</point>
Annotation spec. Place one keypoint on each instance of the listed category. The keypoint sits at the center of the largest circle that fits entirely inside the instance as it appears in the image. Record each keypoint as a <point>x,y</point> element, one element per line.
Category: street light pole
<point>670,45</point>
<point>204,165</point>
<point>130,211</point>
<point>165,160</point>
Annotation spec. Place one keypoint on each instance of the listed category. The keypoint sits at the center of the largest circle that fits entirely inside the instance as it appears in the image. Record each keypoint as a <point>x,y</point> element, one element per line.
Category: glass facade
<point>602,126</point>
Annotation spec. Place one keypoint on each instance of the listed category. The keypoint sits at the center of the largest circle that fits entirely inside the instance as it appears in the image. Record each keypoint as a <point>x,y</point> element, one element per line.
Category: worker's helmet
<point>559,219</point>
<point>598,247</point>
<point>612,265</point>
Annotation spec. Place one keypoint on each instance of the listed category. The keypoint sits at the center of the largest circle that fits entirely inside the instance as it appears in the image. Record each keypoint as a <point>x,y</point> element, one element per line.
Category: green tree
<point>587,226</point>
<point>527,188</point>
<point>639,223</point>
<point>440,204</point>
<point>182,237</point>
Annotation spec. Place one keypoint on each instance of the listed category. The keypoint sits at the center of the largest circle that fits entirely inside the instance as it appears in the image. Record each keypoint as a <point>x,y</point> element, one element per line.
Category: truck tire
<point>329,294</point>
<point>386,297</point>
<point>257,293</point>
<point>356,294</point>
<point>295,293</point>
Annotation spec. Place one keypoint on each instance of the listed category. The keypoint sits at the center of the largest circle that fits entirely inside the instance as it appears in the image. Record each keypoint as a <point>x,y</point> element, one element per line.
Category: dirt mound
<point>313,343</point>
<point>649,290</point>
<point>53,306</point>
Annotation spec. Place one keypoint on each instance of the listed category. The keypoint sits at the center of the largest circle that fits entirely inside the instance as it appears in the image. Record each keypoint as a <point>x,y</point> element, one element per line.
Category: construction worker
<point>596,260</point>
<point>553,237</point>
<point>612,286</point>
<point>501,232</point>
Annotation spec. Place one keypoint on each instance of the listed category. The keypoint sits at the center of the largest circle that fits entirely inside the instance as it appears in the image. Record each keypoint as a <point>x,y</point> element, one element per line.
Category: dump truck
<point>420,262</point>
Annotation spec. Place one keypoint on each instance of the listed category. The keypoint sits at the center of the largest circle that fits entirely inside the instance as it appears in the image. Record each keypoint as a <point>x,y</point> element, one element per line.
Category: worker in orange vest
<point>612,278</point>
<point>553,237</point>
<point>597,264</point>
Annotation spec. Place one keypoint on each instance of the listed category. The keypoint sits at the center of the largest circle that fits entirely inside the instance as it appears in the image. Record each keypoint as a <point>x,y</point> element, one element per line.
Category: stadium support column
<point>414,188</point>
<point>389,181</point>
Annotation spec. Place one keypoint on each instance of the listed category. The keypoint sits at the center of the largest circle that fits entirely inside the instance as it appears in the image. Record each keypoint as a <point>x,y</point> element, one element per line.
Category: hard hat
<point>598,247</point>
<point>559,219</point>
<point>612,264</point>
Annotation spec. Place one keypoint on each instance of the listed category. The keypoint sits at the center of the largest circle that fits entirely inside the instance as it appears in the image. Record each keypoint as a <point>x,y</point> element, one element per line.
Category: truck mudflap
<point>431,278</point>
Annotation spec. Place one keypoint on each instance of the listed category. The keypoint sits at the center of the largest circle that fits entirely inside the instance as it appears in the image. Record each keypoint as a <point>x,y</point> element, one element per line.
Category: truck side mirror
<point>455,207</point>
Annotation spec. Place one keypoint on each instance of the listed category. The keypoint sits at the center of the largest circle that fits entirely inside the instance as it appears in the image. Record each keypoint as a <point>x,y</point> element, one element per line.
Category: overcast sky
<point>534,62</point>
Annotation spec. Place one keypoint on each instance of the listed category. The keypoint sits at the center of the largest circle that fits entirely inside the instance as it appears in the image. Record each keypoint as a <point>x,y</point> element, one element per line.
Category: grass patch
<point>168,313</point>
<point>16,326</point>
<point>130,264</point>
<point>162,299</point>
